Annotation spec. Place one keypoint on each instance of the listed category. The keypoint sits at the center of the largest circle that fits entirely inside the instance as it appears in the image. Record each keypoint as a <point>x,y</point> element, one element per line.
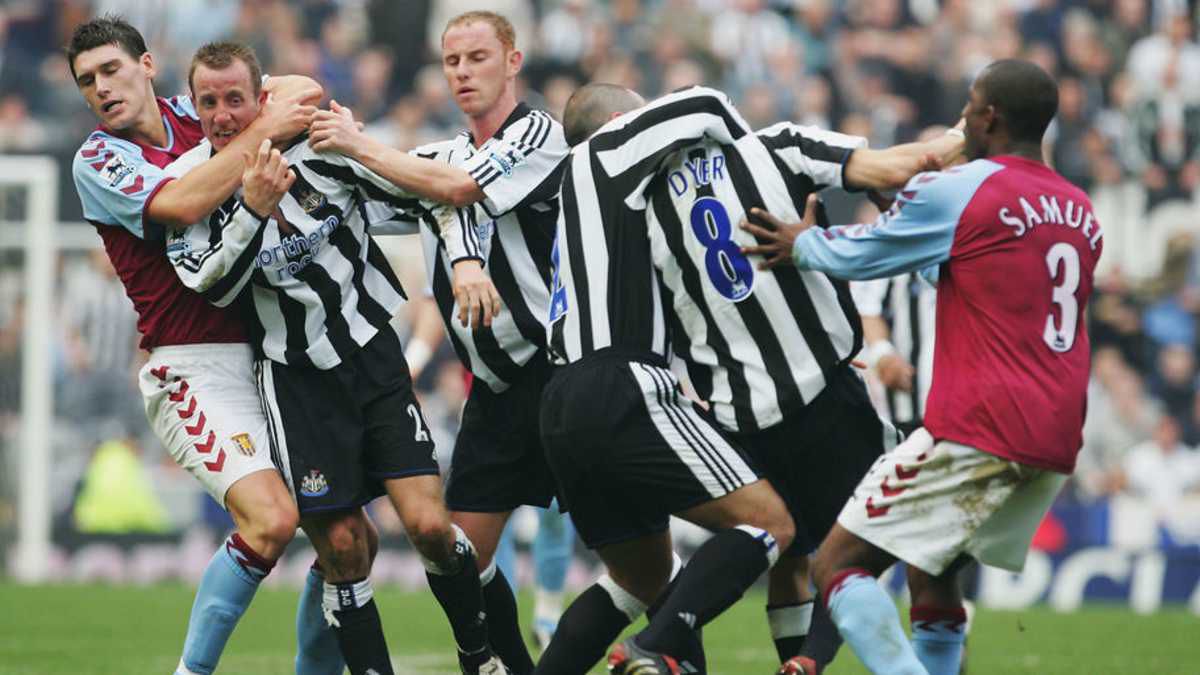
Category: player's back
<point>1012,353</point>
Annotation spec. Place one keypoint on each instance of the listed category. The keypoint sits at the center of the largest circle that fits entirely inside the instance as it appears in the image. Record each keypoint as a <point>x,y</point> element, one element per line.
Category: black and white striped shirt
<point>678,176</point>
<point>511,231</point>
<point>605,291</point>
<point>319,287</point>
<point>907,303</point>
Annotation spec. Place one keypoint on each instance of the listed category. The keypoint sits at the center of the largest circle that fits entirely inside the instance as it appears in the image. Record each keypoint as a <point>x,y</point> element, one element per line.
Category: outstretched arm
<point>335,130</point>
<point>915,234</point>
<point>890,169</point>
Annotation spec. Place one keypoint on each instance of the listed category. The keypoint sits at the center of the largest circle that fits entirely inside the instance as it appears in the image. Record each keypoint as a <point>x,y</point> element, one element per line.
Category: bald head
<point>592,105</point>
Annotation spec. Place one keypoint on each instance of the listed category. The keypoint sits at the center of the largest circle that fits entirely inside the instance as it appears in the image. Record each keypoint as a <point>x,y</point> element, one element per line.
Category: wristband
<point>468,257</point>
<point>876,351</point>
<point>417,354</point>
<point>250,210</point>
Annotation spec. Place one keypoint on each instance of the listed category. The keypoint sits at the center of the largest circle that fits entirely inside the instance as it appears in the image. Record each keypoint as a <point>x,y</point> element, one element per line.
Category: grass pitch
<point>119,630</point>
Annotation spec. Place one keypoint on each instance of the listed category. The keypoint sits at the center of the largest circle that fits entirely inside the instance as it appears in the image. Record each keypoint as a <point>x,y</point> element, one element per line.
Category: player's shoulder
<point>532,127</point>
<point>179,106</point>
<point>954,179</point>
<point>106,158</point>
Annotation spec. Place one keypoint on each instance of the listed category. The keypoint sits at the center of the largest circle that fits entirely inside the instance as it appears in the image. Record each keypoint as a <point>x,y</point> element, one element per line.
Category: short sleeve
<point>869,296</point>
<point>115,183</point>
<point>813,152</point>
<point>511,167</point>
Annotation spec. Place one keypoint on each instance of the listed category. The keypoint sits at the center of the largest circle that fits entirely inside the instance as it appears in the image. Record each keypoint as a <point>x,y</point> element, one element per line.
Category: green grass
<point>110,630</point>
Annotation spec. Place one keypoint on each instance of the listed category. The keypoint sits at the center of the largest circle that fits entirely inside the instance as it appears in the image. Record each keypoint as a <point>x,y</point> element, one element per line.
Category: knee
<point>429,531</point>
<point>348,550</point>
<point>778,522</point>
<point>768,512</point>
<point>272,527</point>
<point>279,525</point>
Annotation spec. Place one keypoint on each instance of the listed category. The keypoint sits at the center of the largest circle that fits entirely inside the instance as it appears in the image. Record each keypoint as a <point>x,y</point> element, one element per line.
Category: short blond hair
<point>221,55</point>
<point>502,26</point>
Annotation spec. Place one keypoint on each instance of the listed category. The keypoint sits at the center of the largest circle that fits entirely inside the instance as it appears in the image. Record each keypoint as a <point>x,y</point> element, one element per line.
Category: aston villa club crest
<point>314,484</point>
<point>312,201</point>
<point>244,444</point>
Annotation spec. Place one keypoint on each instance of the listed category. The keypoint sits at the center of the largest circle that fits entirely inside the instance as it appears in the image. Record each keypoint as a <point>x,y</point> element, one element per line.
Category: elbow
<point>176,218</point>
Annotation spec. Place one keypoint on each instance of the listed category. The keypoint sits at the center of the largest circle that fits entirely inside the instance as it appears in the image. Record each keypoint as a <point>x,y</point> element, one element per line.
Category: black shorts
<point>337,434</point>
<point>815,457</point>
<point>498,462</point>
<point>627,449</point>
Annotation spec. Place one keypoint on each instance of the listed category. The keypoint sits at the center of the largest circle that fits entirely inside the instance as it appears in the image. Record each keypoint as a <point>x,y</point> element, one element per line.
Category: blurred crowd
<point>1128,132</point>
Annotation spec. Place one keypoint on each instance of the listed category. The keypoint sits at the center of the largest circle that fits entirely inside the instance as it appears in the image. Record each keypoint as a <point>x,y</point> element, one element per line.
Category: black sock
<point>461,598</point>
<point>503,625</point>
<point>693,651</point>
<point>717,575</point>
<point>591,623</point>
<point>358,628</point>
<point>823,636</point>
<point>789,627</point>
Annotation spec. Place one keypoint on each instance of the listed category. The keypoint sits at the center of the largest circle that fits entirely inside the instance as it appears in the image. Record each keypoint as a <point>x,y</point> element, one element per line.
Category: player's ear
<point>262,97</point>
<point>515,60</point>
<point>146,62</point>
<point>991,116</point>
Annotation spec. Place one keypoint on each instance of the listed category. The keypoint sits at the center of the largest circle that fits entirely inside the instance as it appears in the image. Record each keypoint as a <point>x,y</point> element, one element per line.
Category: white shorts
<point>203,404</point>
<point>926,503</point>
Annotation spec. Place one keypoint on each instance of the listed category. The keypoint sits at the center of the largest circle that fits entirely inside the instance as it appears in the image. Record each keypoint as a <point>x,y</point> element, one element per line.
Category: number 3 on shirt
<point>1063,338</point>
<point>730,272</point>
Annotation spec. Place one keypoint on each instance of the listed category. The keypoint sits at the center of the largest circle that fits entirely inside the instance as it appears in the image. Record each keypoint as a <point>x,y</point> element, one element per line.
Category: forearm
<point>200,191</point>
<point>890,169</point>
<point>858,252</point>
<point>427,178</point>
<point>875,329</point>
<point>284,86</point>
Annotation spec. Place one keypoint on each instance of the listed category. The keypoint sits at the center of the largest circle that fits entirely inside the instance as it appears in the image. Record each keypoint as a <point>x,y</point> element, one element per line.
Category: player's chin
<point>120,120</point>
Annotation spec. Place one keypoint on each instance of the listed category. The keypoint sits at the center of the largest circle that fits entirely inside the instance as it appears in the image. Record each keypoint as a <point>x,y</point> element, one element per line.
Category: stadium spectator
<point>1162,470</point>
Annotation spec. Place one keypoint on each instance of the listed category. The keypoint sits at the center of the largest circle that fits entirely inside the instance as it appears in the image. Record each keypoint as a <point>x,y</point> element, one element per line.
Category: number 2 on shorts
<point>421,434</point>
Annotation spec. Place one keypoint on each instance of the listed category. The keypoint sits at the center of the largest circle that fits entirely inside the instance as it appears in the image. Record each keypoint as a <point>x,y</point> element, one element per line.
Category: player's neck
<point>486,125</point>
<point>1025,150</point>
<point>149,128</point>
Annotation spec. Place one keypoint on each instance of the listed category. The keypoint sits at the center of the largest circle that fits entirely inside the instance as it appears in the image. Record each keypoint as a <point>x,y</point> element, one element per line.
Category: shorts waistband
<point>206,350</point>
<point>623,354</point>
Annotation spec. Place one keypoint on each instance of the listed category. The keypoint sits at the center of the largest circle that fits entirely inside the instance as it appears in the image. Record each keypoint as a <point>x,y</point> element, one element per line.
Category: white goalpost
<point>39,177</point>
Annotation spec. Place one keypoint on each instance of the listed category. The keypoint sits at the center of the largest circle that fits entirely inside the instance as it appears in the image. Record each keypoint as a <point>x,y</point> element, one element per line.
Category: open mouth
<point>110,106</point>
<point>226,134</point>
<point>465,90</point>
